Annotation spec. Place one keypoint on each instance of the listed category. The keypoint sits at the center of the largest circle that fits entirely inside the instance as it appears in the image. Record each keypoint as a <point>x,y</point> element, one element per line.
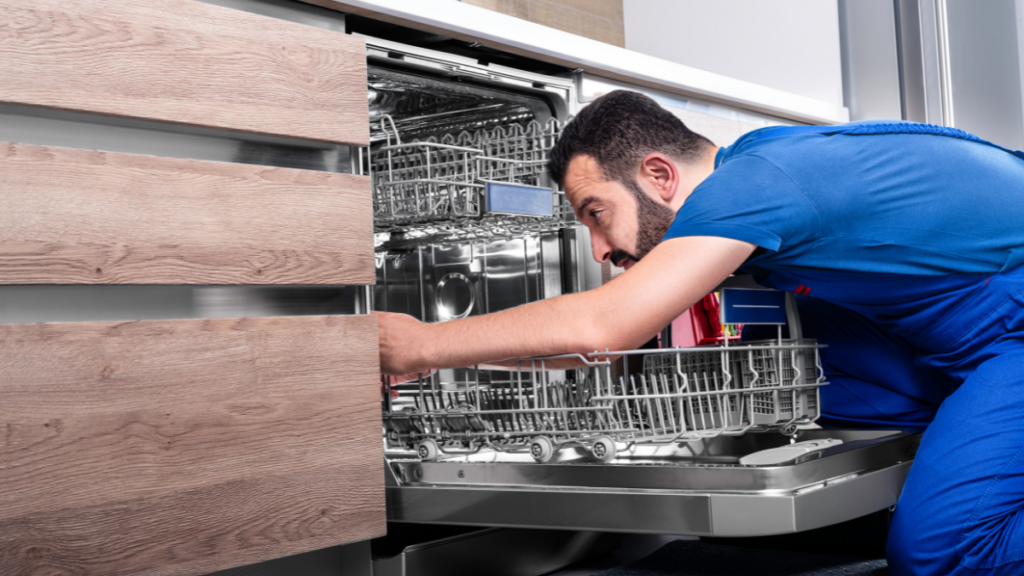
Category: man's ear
<point>659,172</point>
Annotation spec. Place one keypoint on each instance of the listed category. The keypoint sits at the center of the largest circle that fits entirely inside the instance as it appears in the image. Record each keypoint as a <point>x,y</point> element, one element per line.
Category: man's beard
<point>653,221</point>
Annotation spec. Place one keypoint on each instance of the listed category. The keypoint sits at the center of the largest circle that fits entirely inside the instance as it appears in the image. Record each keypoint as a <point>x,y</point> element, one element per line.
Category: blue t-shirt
<point>915,204</point>
<point>900,227</point>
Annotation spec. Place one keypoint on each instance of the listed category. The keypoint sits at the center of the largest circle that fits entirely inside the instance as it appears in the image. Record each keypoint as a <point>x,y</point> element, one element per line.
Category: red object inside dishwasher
<point>700,325</point>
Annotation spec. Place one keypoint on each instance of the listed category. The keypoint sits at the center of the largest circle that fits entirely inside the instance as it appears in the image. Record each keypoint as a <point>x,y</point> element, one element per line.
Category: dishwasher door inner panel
<point>699,488</point>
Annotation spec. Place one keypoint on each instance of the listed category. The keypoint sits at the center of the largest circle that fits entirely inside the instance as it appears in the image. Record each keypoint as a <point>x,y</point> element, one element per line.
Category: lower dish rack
<point>681,395</point>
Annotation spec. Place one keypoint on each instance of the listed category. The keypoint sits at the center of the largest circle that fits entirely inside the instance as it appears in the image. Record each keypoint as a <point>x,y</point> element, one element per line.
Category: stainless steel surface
<point>559,93</point>
<point>23,303</point>
<point>31,303</point>
<point>495,275</point>
<point>495,552</point>
<point>796,330</point>
<point>783,454</point>
<point>703,465</point>
<point>911,64</point>
<point>602,510</point>
<point>48,127</point>
<point>582,272</point>
<point>651,512</point>
<point>838,500</point>
<point>945,75</point>
<point>930,60</point>
<point>422,103</point>
<point>355,560</point>
<point>454,296</point>
<point>238,301</point>
<point>699,489</point>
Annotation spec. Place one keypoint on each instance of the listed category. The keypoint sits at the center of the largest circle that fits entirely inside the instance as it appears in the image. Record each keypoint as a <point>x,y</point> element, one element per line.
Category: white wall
<point>792,45</point>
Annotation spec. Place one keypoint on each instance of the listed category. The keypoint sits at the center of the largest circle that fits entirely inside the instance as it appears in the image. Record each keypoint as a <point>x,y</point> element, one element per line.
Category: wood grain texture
<point>183,447</point>
<point>518,8</point>
<point>185,62</point>
<point>71,216</point>
<point>589,18</point>
<point>596,19</point>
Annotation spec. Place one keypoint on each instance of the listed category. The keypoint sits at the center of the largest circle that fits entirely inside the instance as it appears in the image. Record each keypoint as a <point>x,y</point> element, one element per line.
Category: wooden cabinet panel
<point>186,446</point>
<point>72,216</point>
<point>185,62</point>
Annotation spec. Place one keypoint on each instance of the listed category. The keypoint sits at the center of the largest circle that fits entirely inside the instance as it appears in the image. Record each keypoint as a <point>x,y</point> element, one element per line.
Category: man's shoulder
<point>750,168</point>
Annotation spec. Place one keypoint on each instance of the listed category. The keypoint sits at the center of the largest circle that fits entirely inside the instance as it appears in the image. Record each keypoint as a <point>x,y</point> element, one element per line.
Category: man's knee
<point>901,546</point>
<point>927,538</point>
<point>920,544</point>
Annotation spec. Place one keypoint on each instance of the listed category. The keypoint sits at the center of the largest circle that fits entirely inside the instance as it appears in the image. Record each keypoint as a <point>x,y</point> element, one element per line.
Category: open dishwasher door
<point>709,441</point>
<point>699,488</point>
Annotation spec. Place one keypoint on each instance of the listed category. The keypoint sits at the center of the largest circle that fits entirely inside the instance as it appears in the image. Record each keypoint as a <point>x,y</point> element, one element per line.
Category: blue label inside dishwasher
<point>748,306</point>
<point>504,198</point>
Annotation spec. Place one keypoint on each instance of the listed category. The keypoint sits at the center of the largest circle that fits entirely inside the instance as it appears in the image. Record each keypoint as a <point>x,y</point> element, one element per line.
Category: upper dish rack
<point>475,186</point>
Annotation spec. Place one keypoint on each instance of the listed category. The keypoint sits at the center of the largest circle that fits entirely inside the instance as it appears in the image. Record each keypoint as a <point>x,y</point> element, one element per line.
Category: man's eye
<point>596,214</point>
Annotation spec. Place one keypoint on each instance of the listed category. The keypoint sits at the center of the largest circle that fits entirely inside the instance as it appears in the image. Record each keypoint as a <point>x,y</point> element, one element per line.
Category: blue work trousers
<point>960,377</point>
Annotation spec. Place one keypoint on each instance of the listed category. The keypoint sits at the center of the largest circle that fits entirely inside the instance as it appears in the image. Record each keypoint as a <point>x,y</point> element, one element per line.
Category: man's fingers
<point>393,381</point>
<point>410,377</point>
<point>400,336</point>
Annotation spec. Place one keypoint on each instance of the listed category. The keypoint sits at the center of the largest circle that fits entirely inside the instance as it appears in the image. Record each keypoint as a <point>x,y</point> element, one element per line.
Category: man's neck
<point>692,174</point>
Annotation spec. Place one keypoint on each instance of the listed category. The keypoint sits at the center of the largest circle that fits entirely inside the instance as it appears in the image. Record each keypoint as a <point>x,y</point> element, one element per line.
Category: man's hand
<point>401,344</point>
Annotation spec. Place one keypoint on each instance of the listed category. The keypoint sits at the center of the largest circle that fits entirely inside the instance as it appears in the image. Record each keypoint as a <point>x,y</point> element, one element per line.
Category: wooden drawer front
<point>84,217</point>
<point>186,446</point>
<point>184,62</point>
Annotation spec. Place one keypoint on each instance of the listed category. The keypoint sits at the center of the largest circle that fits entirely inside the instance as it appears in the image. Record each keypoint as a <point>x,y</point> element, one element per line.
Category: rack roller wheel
<point>427,450</point>
<point>603,449</point>
<point>542,449</point>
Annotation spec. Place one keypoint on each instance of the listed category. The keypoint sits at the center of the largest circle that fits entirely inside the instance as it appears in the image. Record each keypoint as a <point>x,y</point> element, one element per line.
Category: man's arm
<point>620,315</point>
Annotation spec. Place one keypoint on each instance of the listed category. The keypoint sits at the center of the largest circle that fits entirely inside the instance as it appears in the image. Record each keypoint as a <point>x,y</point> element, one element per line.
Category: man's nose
<point>602,250</point>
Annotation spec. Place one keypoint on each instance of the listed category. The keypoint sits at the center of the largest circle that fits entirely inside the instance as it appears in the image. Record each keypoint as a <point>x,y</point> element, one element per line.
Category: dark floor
<point>634,547</point>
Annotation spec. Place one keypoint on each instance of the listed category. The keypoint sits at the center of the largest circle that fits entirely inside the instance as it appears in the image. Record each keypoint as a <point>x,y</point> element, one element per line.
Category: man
<point>906,243</point>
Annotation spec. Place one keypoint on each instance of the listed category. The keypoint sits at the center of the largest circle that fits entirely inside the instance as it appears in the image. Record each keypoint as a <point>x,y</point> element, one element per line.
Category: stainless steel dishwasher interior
<point>693,487</point>
<point>429,96</point>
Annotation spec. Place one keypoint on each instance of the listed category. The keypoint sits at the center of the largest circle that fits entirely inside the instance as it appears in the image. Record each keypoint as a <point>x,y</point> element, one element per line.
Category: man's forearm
<point>545,328</point>
<point>619,315</point>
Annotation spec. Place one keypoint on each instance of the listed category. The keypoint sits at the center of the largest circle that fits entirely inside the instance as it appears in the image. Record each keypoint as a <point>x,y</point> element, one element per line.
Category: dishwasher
<point>706,441</point>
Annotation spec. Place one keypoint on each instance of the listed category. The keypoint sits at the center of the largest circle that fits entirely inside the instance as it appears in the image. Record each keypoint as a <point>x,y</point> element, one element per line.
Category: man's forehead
<point>581,176</point>
<point>583,167</point>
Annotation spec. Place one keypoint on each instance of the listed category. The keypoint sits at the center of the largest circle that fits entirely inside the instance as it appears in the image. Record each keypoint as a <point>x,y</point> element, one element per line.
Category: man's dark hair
<point>618,130</point>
